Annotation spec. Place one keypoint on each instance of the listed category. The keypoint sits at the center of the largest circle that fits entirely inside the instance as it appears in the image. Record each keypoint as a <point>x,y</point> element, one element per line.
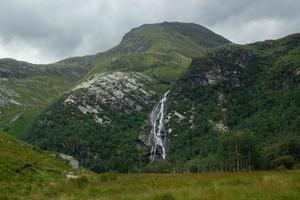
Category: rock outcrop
<point>113,91</point>
<point>69,159</point>
<point>7,97</point>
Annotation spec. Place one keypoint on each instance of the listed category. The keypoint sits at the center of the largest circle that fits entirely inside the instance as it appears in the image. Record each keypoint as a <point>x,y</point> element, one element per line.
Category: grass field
<point>210,186</point>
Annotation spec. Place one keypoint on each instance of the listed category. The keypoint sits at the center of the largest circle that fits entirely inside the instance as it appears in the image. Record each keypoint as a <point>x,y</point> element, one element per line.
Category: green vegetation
<point>97,147</point>
<point>241,108</point>
<point>207,186</point>
<point>36,94</point>
<point>24,168</point>
<point>163,51</point>
<point>234,109</point>
<point>28,173</point>
<point>254,93</point>
<point>240,105</point>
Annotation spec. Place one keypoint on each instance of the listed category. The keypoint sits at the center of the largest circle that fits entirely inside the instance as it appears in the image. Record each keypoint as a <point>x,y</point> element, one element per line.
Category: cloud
<point>46,31</point>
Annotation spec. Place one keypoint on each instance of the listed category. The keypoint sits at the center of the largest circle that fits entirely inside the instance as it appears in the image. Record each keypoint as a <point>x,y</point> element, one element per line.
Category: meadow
<point>206,186</point>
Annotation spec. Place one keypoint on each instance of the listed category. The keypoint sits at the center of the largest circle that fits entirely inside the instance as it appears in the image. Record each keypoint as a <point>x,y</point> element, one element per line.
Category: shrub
<point>286,161</point>
<point>111,176</point>
<point>296,166</point>
<point>80,182</point>
<point>159,166</point>
<point>281,168</point>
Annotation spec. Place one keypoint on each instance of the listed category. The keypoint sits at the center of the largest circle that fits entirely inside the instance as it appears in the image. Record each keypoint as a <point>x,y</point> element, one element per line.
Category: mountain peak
<point>145,36</point>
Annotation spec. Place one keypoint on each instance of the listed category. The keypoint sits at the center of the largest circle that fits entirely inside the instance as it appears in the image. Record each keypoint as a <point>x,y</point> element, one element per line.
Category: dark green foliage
<point>285,153</point>
<point>159,166</point>
<point>98,147</point>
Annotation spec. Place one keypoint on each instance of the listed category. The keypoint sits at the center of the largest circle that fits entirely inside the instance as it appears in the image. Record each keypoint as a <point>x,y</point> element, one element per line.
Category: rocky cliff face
<point>113,92</point>
<point>228,66</point>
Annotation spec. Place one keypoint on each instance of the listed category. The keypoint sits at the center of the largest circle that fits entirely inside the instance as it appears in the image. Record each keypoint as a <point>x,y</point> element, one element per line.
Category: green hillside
<point>27,89</point>
<point>163,50</point>
<point>26,168</point>
<point>241,109</point>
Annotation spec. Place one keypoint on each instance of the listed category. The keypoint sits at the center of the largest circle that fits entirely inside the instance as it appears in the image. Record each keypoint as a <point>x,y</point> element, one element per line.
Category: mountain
<point>161,51</point>
<point>234,109</point>
<point>110,105</point>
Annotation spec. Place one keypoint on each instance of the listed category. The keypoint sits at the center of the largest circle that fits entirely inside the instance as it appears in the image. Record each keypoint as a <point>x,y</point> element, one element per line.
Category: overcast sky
<point>43,31</point>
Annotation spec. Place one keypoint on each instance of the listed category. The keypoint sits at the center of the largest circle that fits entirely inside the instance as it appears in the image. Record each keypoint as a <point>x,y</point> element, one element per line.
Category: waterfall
<point>158,133</point>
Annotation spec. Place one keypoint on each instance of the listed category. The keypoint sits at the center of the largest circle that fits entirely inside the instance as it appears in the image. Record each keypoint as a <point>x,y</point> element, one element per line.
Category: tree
<point>238,151</point>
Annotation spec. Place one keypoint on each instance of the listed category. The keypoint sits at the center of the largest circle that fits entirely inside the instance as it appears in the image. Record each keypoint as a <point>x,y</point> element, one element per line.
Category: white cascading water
<point>158,133</point>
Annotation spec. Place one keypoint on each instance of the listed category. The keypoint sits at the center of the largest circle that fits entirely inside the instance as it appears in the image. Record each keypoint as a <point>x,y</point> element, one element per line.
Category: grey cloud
<point>46,31</point>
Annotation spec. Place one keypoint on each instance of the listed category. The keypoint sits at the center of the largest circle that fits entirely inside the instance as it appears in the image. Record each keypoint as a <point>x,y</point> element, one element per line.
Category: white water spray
<point>158,133</point>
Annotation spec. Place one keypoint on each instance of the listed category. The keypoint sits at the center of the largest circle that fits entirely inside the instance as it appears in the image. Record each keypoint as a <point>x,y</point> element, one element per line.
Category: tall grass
<point>207,186</point>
